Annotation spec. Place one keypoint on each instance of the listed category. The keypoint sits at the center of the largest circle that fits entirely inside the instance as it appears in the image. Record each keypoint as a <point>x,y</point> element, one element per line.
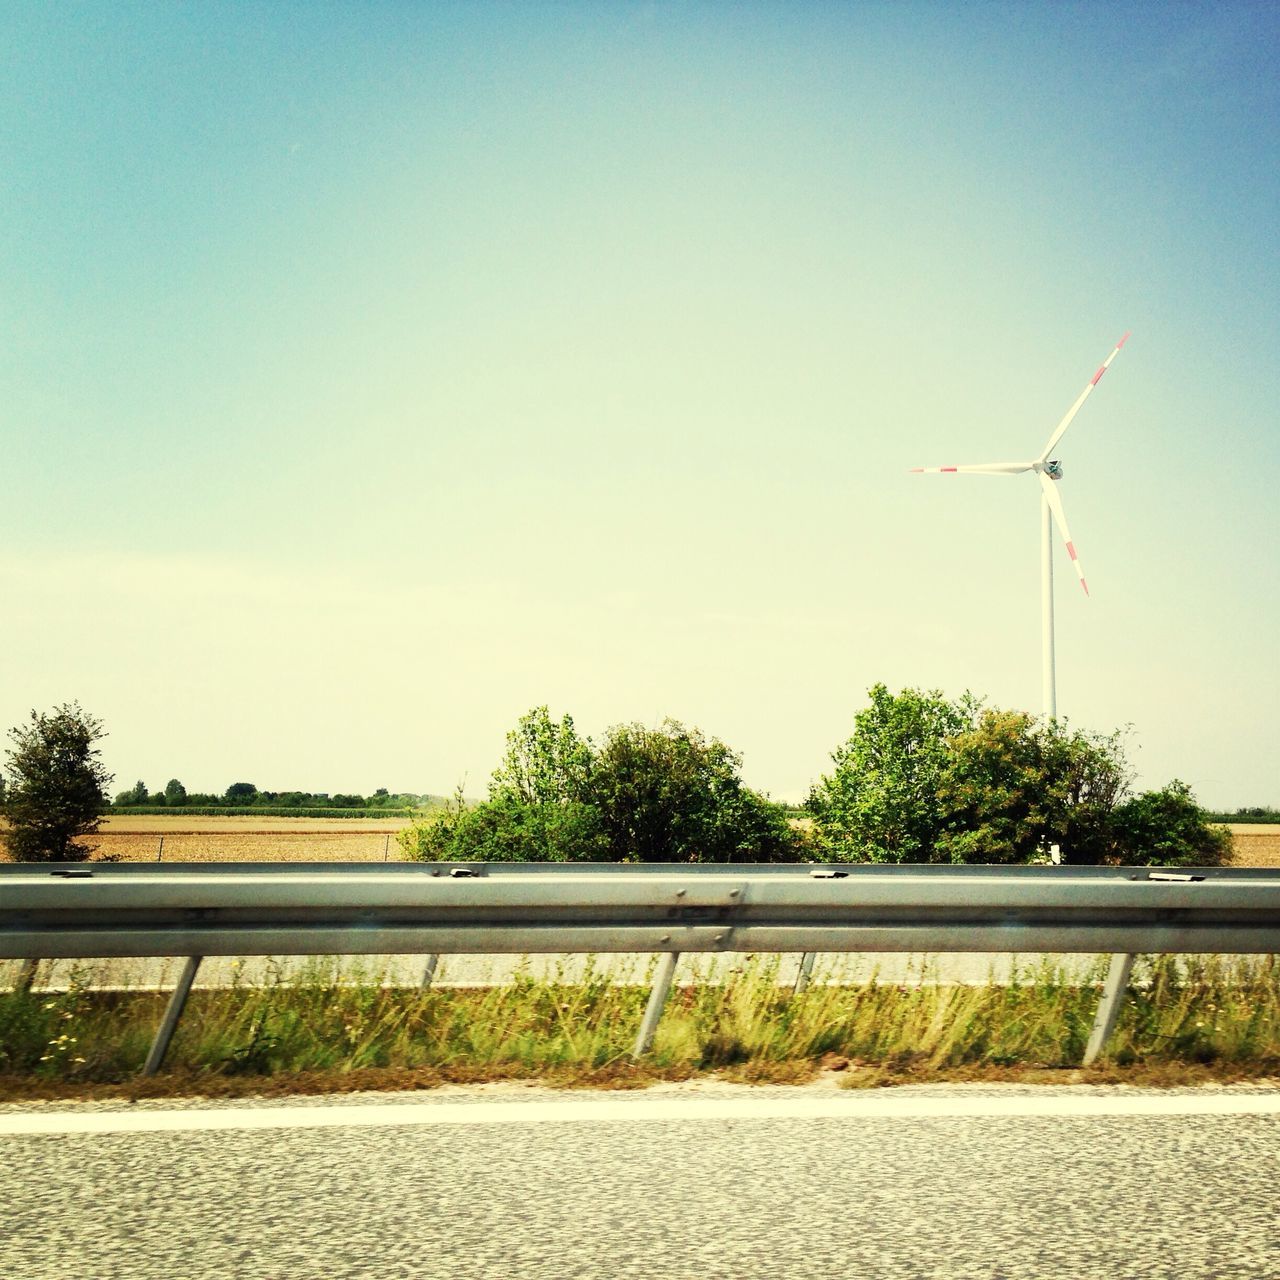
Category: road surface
<point>712,1181</point>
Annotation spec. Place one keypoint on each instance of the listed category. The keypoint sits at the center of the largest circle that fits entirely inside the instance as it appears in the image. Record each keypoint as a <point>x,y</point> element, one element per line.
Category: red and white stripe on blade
<point>980,468</point>
<point>1084,395</point>
<point>1060,519</point>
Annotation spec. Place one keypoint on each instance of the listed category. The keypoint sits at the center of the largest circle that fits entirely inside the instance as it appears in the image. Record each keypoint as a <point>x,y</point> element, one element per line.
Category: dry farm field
<point>214,839</point>
<point>1257,844</point>
<point>163,837</point>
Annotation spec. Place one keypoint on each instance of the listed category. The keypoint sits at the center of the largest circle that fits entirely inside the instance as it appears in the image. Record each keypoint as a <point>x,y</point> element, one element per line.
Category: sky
<point>374,373</point>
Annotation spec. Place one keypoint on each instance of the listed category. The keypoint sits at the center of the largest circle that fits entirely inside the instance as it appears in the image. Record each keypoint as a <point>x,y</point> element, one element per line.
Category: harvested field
<point>212,839</point>
<point>1256,844</point>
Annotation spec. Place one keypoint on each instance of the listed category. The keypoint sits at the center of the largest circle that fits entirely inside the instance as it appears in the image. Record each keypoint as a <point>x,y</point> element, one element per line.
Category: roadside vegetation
<point>668,794</point>
<point>922,778</point>
<point>1211,1014</point>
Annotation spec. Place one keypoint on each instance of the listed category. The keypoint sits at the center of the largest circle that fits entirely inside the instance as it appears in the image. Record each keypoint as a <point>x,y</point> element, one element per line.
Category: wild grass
<point>326,1019</point>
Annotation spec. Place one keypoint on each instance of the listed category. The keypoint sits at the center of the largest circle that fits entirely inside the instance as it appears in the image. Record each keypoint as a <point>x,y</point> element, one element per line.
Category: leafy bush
<point>925,779</point>
<point>506,830</point>
<point>647,795</point>
<point>1168,827</point>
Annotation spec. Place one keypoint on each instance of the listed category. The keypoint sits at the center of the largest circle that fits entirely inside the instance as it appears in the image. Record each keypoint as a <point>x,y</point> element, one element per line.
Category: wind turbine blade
<point>1060,519</point>
<point>1084,395</point>
<point>980,468</point>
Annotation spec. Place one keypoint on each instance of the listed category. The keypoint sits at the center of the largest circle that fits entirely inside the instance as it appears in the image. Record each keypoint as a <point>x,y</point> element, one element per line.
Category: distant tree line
<point>1254,813</point>
<point>244,795</point>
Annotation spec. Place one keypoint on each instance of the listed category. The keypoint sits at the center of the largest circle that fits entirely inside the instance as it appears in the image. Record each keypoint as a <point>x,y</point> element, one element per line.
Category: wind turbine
<point>1049,471</point>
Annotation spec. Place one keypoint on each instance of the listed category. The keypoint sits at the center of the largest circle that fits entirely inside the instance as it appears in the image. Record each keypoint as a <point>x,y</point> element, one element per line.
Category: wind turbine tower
<point>1049,472</point>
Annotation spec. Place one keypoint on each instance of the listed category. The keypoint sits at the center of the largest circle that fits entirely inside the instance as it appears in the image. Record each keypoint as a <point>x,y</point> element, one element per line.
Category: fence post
<point>806,972</point>
<point>657,998</point>
<point>169,1023</point>
<point>1104,1021</point>
<point>429,971</point>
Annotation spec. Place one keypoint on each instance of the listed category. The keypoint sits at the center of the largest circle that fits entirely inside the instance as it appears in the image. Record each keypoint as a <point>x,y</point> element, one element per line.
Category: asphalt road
<point>738,1184</point>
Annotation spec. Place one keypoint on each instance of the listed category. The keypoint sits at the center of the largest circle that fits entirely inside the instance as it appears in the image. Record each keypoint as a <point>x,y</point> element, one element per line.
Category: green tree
<point>1014,784</point>
<point>57,786</point>
<point>991,795</point>
<point>881,801</point>
<point>175,794</point>
<point>241,793</point>
<point>137,794</point>
<point>927,780</point>
<point>1085,778</point>
<point>544,763</point>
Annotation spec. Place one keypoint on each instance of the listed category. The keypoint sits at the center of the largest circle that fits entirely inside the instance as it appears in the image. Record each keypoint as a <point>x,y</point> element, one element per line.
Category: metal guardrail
<point>198,910</point>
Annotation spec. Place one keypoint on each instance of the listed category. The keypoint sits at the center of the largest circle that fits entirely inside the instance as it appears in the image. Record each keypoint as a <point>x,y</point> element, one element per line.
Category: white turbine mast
<point>1049,471</point>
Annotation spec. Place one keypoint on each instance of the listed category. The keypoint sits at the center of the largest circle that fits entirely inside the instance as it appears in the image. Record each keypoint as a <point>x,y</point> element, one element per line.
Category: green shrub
<point>1168,828</point>
<point>647,795</point>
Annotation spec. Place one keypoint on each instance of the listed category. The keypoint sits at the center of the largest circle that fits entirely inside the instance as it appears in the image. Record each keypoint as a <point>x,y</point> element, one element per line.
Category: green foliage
<point>545,763</point>
<point>1013,785</point>
<point>924,779</point>
<point>506,830</point>
<point>57,786</point>
<point>276,811</point>
<point>880,803</point>
<point>297,804</point>
<point>672,795</point>
<point>646,795</point>
<point>1168,827</point>
<point>1251,814</point>
<point>136,795</point>
<point>241,793</point>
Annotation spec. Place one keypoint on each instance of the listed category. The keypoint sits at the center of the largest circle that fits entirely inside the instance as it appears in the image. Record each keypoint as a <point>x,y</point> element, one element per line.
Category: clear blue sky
<point>374,373</point>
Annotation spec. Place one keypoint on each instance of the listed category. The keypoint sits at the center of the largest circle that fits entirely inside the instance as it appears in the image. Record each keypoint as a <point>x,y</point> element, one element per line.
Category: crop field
<point>1256,844</point>
<point>162,837</point>
<point>238,839</point>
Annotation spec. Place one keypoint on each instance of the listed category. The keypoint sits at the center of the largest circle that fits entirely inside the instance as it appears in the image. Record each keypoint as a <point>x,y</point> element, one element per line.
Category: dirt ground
<point>214,839</point>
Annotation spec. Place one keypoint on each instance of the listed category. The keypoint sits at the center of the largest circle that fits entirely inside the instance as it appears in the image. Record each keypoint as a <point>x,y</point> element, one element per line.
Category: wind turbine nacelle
<point>1053,469</point>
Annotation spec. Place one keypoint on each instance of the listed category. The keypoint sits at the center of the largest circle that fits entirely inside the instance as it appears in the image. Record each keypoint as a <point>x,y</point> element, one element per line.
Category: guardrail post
<point>429,971</point>
<point>657,998</point>
<point>169,1023</point>
<point>1104,1021</point>
<point>806,972</point>
<point>26,977</point>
